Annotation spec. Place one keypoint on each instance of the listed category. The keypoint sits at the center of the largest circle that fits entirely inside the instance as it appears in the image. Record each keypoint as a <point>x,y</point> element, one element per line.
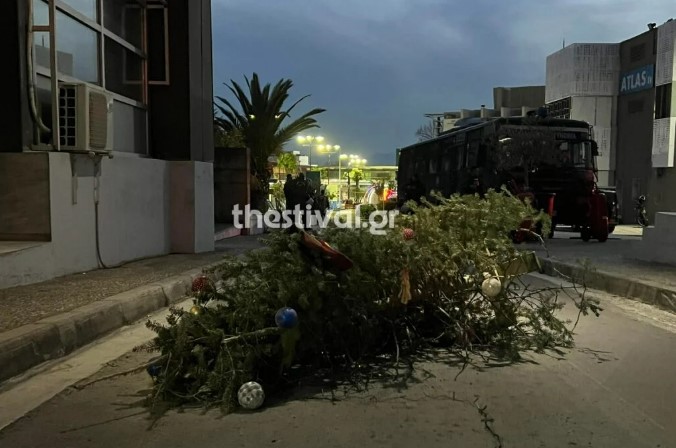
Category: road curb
<point>56,336</point>
<point>642,291</point>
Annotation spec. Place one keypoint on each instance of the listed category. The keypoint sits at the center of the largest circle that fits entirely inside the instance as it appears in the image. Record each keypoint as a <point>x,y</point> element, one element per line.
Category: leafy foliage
<point>356,175</point>
<point>287,161</point>
<point>259,114</point>
<point>401,296</point>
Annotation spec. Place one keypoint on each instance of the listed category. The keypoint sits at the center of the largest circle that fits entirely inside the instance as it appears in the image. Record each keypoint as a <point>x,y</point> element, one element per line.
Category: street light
<point>329,149</point>
<point>309,141</point>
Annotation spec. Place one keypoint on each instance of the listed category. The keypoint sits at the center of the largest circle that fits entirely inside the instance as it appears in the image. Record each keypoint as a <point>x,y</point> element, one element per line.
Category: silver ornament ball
<point>491,287</point>
<point>251,395</point>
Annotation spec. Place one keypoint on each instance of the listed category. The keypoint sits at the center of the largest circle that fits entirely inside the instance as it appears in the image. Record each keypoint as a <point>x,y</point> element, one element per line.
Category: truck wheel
<point>603,230</point>
<point>585,233</point>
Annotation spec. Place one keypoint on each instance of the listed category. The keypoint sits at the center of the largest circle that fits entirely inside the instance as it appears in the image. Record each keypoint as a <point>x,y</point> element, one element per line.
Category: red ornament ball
<point>201,284</point>
<point>409,234</point>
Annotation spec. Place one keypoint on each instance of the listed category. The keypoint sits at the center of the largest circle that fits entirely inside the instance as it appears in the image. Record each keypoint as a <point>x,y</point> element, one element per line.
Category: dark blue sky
<point>378,66</point>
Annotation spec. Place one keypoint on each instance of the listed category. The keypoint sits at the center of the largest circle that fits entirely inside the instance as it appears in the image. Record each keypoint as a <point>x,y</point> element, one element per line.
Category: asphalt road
<point>617,388</point>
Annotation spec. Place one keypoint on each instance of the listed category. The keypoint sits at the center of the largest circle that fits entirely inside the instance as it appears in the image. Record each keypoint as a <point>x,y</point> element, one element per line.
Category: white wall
<point>583,70</point>
<point>664,129</point>
<point>589,73</point>
<point>133,219</point>
<point>599,112</point>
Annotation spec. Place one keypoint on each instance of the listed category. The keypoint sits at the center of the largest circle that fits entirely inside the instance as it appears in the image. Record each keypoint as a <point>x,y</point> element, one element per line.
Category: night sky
<point>378,66</point>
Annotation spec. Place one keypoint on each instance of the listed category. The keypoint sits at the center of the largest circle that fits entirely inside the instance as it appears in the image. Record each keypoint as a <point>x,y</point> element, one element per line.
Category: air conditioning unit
<point>85,118</point>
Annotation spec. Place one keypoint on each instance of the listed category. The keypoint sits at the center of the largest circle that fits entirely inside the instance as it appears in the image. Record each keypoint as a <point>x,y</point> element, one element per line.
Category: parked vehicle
<point>641,214</point>
<point>563,183</point>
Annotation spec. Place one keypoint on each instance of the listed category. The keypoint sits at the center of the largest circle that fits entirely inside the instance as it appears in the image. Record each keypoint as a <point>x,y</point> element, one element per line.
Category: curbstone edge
<point>641,291</point>
<point>56,336</point>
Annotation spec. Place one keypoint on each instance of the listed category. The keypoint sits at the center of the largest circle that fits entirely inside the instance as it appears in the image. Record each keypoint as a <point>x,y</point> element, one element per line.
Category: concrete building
<point>582,84</point>
<point>635,117</point>
<point>108,158</point>
<point>507,102</point>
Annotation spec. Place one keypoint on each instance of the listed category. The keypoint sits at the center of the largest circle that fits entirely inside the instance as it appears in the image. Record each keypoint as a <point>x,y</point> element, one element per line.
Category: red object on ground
<point>409,234</point>
<point>598,216</point>
<point>335,258</point>
<point>201,284</point>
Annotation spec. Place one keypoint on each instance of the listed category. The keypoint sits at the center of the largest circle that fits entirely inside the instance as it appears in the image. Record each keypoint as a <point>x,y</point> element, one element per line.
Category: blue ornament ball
<point>154,370</point>
<point>286,318</point>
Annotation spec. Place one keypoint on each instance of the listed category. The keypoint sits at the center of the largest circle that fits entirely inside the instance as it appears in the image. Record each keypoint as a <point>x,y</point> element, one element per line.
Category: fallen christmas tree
<point>446,276</point>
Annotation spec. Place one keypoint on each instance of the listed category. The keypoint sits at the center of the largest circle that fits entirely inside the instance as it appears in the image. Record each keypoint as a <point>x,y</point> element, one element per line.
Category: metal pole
<point>340,179</point>
<point>56,137</point>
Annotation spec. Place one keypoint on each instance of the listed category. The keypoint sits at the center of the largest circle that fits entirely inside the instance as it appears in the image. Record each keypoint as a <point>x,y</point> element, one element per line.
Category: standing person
<point>288,192</point>
<point>302,196</point>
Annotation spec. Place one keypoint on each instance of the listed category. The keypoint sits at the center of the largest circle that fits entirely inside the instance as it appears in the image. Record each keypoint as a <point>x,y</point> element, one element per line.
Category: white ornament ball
<point>491,287</point>
<point>251,395</point>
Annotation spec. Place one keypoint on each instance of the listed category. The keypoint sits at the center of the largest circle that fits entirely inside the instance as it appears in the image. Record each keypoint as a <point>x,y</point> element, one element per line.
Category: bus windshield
<point>577,154</point>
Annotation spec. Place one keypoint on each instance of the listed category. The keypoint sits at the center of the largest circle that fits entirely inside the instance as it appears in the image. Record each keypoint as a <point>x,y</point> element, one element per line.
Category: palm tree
<point>286,161</point>
<point>259,116</point>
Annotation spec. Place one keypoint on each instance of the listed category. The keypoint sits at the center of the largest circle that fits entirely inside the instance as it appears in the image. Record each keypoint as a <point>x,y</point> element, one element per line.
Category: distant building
<point>582,84</point>
<point>625,91</point>
<point>646,120</point>
<point>507,102</point>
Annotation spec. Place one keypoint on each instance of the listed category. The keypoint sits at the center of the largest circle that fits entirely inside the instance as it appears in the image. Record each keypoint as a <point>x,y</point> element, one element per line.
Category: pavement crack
<point>486,419</point>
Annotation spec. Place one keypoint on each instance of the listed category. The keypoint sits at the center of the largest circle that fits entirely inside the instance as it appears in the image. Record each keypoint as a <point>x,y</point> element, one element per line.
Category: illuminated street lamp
<point>329,150</point>
<point>309,141</point>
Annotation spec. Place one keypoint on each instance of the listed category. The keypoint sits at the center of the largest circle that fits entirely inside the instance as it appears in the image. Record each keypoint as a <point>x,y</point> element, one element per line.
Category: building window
<point>105,47</point>
<point>100,42</point>
<point>124,71</point>
<point>78,49</point>
<point>87,8</point>
<point>125,19</point>
<point>663,101</point>
<point>559,109</point>
<point>157,20</point>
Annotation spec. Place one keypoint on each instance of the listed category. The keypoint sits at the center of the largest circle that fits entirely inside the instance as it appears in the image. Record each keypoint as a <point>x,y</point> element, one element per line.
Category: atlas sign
<point>638,79</point>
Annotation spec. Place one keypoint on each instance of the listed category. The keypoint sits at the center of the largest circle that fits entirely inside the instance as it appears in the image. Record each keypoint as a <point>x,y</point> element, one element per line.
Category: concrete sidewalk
<point>48,320</point>
<point>613,268</point>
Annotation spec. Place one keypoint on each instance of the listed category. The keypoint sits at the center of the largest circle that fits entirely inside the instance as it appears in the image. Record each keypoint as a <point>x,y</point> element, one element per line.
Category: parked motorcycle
<point>641,214</point>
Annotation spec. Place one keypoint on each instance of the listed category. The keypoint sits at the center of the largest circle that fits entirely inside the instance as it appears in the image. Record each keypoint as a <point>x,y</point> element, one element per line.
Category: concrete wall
<point>24,197</point>
<point>147,208</point>
<point>599,111</point>
<point>133,217</point>
<point>635,113</point>
<point>231,182</point>
<point>664,130</point>
<point>590,74</point>
<point>191,207</point>
<point>517,97</point>
<point>583,70</point>
<point>662,183</point>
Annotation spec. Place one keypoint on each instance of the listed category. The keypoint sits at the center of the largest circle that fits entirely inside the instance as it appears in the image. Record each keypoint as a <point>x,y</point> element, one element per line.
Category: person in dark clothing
<point>288,192</point>
<point>302,196</point>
